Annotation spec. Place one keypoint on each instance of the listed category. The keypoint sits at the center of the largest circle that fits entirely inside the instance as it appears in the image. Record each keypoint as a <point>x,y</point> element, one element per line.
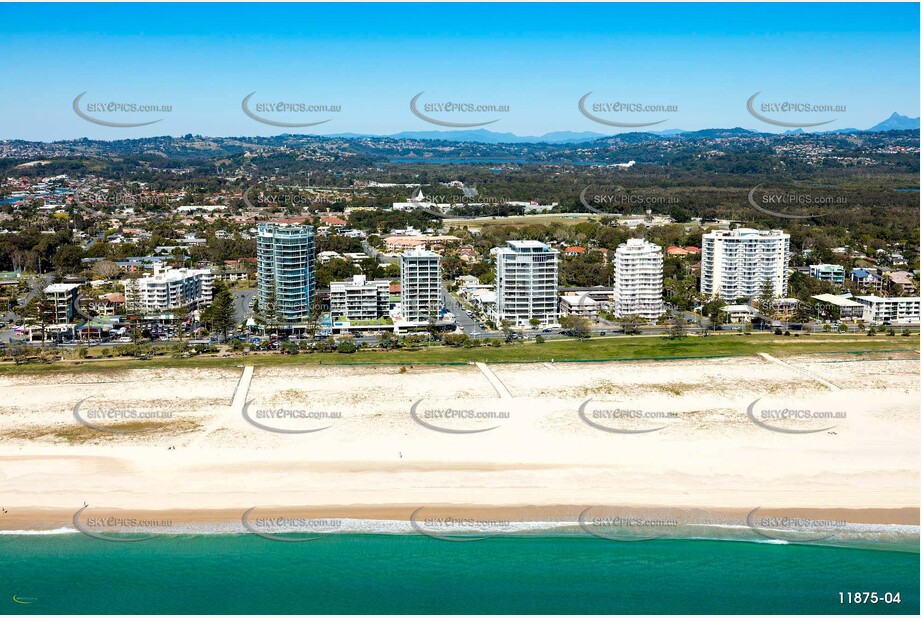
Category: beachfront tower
<point>286,269</point>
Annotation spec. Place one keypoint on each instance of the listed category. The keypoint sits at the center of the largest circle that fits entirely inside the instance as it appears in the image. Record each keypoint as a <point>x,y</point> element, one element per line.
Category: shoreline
<point>38,519</point>
<point>887,530</point>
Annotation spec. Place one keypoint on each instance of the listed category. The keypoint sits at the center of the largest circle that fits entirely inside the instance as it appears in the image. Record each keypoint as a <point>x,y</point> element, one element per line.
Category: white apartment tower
<point>420,286</point>
<point>638,279</point>
<point>359,299</point>
<point>169,288</point>
<point>527,283</point>
<point>738,263</point>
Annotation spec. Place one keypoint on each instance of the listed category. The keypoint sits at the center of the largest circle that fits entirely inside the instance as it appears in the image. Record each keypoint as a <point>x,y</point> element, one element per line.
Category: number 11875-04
<point>869,598</point>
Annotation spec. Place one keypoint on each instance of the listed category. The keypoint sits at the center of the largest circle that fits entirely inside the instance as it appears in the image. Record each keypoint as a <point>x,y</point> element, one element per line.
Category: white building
<point>169,288</point>
<point>420,286</point>
<point>739,314</point>
<point>894,309</point>
<point>527,283</point>
<point>638,279</point>
<point>60,303</point>
<point>579,304</point>
<point>359,299</point>
<point>738,263</point>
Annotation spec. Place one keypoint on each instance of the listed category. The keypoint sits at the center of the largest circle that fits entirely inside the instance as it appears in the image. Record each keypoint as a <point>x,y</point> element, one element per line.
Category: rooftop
<point>56,288</point>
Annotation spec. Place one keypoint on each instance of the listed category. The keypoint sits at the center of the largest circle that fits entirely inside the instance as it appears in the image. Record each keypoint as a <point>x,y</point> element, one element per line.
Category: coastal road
<point>241,300</point>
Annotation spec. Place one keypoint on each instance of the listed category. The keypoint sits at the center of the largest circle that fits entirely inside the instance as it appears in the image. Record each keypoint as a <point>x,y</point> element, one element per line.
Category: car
<point>602,333</point>
<point>124,339</point>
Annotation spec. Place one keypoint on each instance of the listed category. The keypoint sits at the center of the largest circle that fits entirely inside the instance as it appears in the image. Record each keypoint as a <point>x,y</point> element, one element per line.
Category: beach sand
<point>652,436</point>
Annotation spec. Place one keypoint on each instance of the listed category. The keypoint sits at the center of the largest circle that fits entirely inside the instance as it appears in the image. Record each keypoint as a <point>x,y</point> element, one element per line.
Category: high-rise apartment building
<point>286,271</point>
<point>739,263</point>
<point>527,283</point>
<point>638,279</point>
<point>359,299</point>
<point>420,286</point>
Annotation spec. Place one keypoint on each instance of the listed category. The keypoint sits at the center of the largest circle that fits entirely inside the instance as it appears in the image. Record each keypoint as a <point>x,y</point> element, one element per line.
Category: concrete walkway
<point>239,395</point>
<point>805,372</point>
<point>236,406</point>
<point>495,381</point>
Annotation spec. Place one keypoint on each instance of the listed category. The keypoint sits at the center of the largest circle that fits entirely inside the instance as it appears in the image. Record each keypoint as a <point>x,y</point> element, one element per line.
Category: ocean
<point>393,574</point>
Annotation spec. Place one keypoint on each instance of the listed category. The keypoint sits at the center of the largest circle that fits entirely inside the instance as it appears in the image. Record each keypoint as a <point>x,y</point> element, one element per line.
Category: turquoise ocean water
<point>367,573</point>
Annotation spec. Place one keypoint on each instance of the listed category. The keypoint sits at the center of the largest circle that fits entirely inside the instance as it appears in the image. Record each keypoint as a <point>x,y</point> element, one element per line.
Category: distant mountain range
<point>895,122</point>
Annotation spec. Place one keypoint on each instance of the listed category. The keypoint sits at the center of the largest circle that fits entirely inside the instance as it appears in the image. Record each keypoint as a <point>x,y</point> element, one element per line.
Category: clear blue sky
<point>371,59</point>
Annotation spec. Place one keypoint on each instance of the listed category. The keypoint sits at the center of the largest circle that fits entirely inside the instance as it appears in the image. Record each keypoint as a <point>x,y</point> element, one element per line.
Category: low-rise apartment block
<point>830,273</point>
<point>60,303</point>
<point>359,299</point>
<point>169,288</point>
<point>891,310</point>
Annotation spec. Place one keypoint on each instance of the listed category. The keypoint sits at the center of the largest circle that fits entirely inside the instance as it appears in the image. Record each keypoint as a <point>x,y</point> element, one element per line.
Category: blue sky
<point>371,59</point>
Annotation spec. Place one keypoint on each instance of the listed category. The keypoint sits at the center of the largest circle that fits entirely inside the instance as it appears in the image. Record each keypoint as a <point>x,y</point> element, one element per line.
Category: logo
<point>107,525</point>
<point>792,199</point>
<point>114,107</point>
<point>792,528</point>
<point>452,107</point>
<point>623,527</point>
<point>457,529</point>
<point>622,107</point>
<point>295,417</point>
<point>128,415</point>
<point>285,107</point>
<point>272,528</point>
<point>791,106</point>
<point>770,416</point>
<point>428,417</point>
<point>610,414</point>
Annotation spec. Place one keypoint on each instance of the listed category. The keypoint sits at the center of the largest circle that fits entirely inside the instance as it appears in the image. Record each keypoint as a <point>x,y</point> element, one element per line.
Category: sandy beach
<point>521,441</point>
